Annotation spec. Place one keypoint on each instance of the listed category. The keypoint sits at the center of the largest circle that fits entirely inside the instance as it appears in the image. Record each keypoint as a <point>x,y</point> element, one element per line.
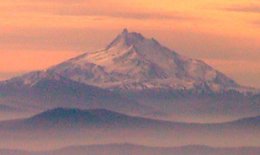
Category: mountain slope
<point>42,90</point>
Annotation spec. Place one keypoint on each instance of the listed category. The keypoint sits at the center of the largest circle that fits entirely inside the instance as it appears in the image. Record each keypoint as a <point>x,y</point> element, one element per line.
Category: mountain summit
<point>126,39</point>
<point>133,62</point>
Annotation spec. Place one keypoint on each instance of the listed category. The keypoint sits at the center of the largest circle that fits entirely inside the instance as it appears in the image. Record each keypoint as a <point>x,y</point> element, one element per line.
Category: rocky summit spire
<point>125,31</point>
<point>126,38</point>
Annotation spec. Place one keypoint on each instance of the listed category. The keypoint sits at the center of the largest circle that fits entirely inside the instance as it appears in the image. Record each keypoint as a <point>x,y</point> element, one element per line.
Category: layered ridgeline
<point>135,75</point>
<point>62,127</point>
<point>121,149</point>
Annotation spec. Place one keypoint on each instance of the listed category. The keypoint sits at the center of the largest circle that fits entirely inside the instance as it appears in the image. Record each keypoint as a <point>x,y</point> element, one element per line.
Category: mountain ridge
<point>75,126</point>
<point>203,150</point>
<point>69,115</point>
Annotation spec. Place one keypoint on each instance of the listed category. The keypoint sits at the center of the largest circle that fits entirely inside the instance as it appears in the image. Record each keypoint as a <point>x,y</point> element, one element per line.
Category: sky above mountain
<point>36,34</point>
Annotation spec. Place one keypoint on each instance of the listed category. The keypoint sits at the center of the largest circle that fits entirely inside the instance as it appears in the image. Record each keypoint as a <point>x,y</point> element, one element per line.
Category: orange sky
<point>35,34</point>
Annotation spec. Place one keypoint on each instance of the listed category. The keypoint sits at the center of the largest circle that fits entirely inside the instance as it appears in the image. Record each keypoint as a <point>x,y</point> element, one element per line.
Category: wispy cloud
<point>90,8</point>
<point>126,15</point>
<point>253,9</point>
<point>52,39</point>
<point>248,9</point>
<point>256,23</point>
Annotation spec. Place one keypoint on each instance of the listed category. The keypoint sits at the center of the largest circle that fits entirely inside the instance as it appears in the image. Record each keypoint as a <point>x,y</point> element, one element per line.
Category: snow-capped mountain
<point>133,62</point>
<point>135,75</point>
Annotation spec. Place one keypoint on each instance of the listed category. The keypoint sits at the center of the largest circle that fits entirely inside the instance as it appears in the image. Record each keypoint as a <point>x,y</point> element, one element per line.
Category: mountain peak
<point>126,39</point>
<point>125,31</point>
